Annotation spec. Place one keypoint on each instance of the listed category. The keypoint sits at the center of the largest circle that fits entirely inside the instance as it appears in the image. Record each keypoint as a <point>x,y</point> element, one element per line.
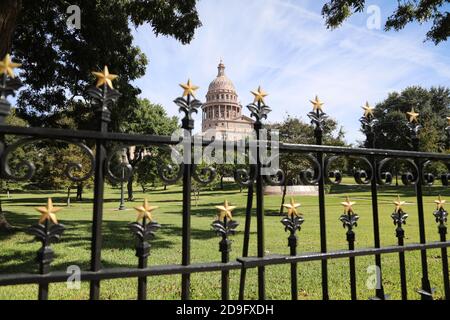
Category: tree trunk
<point>221,182</point>
<point>80,192</point>
<point>283,197</point>
<point>130,189</point>
<point>4,225</point>
<point>68,196</point>
<point>9,12</point>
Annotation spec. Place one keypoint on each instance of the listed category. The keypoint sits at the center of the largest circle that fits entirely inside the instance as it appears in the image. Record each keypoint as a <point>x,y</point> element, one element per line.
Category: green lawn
<point>18,249</point>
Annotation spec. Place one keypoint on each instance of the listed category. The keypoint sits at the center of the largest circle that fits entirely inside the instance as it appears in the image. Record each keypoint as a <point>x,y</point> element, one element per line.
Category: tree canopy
<point>432,104</point>
<point>57,60</point>
<point>336,12</point>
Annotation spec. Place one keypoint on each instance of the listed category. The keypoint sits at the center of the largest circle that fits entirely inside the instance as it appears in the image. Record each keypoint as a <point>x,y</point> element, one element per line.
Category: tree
<point>294,130</point>
<point>433,106</point>
<point>13,120</point>
<point>60,68</point>
<point>407,11</point>
<point>147,118</point>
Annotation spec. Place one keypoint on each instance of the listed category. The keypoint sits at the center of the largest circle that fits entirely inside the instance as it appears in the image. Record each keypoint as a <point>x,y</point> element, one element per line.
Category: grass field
<point>18,249</point>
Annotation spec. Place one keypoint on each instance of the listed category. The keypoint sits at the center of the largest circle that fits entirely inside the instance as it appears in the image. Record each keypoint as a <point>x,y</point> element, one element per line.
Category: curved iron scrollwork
<point>429,178</point>
<point>363,176</point>
<point>28,169</point>
<point>203,175</point>
<point>408,177</point>
<point>332,176</point>
<point>125,168</point>
<point>171,173</point>
<point>311,176</point>
<point>245,177</point>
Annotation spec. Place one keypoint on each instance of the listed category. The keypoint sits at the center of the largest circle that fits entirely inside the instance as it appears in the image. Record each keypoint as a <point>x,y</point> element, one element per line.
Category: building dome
<point>221,83</point>
<point>222,113</point>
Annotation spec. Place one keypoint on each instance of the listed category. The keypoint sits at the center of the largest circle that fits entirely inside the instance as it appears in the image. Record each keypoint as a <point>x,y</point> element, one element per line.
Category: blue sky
<point>284,46</point>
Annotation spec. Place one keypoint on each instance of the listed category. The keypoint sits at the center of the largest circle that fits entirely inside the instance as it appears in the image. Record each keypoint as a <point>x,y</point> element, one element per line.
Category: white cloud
<point>284,46</point>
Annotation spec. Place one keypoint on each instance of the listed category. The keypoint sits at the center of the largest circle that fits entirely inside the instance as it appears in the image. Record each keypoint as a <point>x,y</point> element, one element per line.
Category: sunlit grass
<point>18,249</point>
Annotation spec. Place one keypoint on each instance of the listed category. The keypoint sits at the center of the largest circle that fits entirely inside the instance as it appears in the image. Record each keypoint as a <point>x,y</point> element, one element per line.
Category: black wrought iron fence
<point>319,156</point>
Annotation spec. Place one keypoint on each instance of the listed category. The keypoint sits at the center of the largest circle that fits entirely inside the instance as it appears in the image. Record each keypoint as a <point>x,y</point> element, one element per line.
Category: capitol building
<point>222,117</point>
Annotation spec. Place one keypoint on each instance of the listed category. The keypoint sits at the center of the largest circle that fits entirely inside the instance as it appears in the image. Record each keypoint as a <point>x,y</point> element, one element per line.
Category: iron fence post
<point>188,106</point>
<point>103,97</point>
<point>260,214</point>
<point>441,216</point>
<point>44,257</point>
<point>369,122</point>
<point>350,220</point>
<point>318,117</point>
<point>103,115</point>
<point>225,248</point>
<point>426,291</point>
<point>248,219</point>
<point>351,246</point>
<point>292,243</point>
<point>399,217</point>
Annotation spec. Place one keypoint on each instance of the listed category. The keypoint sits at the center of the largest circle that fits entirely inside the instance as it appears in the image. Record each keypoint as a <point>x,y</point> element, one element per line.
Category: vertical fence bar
<point>44,257</point>
<point>260,215</point>
<point>368,122</point>
<point>415,128</point>
<point>322,220</point>
<point>225,248</point>
<point>142,252</point>
<point>224,225</point>
<point>426,291</point>
<point>186,228</point>
<point>318,118</point>
<point>259,110</point>
<point>143,231</point>
<point>188,106</point>
<point>349,220</point>
<point>294,281</point>
<point>293,222</point>
<point>399,217</point>
<point>441,217</point>
<point>104,97</point>
<point>248,219</point>
<point>351,246</point>
<point>443,232</point>
<point>376,228</point>
<point>96,244</point>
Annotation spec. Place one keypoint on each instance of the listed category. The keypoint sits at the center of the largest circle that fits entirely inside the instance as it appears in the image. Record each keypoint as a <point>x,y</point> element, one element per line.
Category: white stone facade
<point>222,116</point>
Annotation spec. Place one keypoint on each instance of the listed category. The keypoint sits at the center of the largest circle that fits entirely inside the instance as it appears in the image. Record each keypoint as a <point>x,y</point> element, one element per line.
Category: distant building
<point>222,116</point>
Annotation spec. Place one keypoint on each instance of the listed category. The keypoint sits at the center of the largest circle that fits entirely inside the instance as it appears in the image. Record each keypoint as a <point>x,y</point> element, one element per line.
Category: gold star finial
<point>439,203</point>
<point>225,211</point>
<point>398,204</point>
<point>189,88</point>
<point>368,110</point>
<point>413,115</point>
<point>145,211</point>
<point>259,95</point>
<point>48,212</point>
<point>7,66</point>
<point>317,104</point>
<point>348,205</point>
<point>292,208</point>
<point>104,77</point>
<point>448,120</point>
